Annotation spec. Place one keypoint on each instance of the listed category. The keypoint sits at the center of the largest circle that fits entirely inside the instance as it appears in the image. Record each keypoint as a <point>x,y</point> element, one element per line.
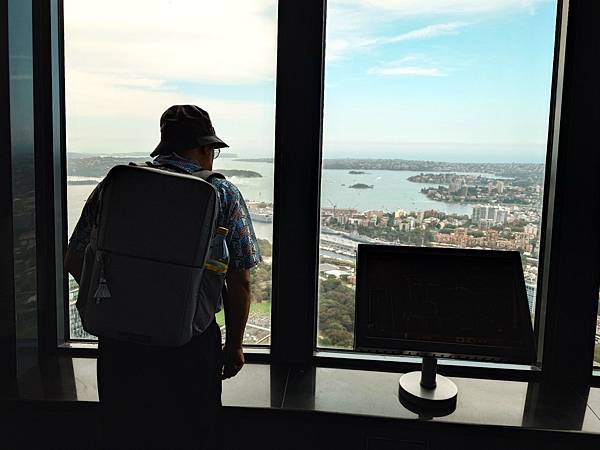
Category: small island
<point>361,186</point>
<point>357,172</point>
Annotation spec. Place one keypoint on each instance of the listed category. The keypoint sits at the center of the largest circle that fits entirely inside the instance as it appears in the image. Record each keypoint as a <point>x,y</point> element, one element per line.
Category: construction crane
<point>333,205</point>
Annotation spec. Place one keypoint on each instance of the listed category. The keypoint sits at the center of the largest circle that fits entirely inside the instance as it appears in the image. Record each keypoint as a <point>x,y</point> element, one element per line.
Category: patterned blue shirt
<point>233,214</point>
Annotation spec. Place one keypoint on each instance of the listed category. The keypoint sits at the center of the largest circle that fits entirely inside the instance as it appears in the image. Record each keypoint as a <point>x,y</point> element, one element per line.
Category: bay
<point>391,191</point>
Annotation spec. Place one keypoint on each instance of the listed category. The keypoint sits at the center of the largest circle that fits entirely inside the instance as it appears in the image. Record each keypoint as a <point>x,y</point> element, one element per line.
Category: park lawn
<point>262,308</point>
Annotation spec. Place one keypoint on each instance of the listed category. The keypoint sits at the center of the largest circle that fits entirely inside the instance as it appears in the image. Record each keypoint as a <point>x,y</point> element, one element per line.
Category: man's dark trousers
<point>157,397</point>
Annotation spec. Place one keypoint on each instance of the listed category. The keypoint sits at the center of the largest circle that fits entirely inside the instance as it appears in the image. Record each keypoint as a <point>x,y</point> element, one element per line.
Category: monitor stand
<point>426,390</point>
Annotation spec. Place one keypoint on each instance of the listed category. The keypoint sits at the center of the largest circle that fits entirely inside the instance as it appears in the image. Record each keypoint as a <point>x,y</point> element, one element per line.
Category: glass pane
<point>21,127</point>
<point>435,134</point>
<point>126,62</point>
<point>597,337</point>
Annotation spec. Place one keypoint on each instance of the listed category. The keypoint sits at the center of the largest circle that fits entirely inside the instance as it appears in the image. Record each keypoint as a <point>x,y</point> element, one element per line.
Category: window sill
<point>89,349</point>
<point>350,392</point>
<point>406,363</point>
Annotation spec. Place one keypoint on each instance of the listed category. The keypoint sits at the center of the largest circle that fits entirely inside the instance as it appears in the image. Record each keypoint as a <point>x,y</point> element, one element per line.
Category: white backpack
<point>144,266</point>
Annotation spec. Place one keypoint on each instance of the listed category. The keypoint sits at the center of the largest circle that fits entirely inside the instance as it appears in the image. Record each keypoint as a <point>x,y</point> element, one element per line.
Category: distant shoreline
<point>82,182</point>
<point>97,167</point>
<point>361,164</point>
<point>224,154</point>
<point>84,165</point>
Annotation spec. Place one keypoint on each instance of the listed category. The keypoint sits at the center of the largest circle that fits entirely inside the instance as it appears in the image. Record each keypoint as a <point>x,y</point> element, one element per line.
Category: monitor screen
<point>446,302</point>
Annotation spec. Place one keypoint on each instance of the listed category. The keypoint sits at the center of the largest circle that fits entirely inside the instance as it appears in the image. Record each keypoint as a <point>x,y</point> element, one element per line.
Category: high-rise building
<point>491,214</point>
<point>479,212</point>
<point>456,185</point>
<point>76,327</point>
<point>502,216</point>
<point>531,290</point>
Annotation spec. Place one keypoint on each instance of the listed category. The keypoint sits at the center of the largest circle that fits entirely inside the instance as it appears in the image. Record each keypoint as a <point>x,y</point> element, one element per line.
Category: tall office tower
<point>479,212</point>
<point>76,327</point>
<point>455,185</point>
<point>531,290</point>
<point>492,212</point>
<point>502,216</point>
<point>500,187</point>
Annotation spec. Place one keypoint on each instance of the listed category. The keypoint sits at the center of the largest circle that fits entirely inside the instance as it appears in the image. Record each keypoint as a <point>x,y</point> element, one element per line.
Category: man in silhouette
<point>156,397</point>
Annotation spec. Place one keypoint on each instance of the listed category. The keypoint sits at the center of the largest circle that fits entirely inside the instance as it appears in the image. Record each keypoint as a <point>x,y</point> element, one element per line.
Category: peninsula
<point>98,166</point>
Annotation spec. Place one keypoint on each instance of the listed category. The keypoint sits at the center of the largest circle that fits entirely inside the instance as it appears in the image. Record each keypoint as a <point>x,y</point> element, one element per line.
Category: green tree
<point>260,283</point>
<point>336,313</point>
<point>266,249</point>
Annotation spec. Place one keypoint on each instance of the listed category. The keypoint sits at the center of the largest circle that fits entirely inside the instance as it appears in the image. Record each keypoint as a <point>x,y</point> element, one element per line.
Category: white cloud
<point>427,32</point>
<point>109,114</point>
<point>124,60</point>
<point>337,48</point>
<point>406,70</point>
<point>230,41</point>
<point>95,95</point>
<point>354,25</point>
<point>141,83</point>
<point>408,8</point>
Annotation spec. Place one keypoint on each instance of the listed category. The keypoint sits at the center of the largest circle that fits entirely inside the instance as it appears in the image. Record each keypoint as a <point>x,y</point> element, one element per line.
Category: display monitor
<point>443,302</point>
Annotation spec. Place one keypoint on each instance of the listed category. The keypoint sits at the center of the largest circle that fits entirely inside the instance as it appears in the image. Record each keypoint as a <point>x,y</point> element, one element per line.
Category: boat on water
<point>261,216</point>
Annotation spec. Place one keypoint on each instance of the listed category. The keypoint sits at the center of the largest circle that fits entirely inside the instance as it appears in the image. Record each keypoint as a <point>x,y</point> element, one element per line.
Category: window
<point>435,132</point>
<point>126,62</point>
<point>109,115</point>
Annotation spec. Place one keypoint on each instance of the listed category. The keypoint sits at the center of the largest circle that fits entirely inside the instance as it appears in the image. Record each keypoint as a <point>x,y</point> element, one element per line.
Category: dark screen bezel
<point>507,354</point>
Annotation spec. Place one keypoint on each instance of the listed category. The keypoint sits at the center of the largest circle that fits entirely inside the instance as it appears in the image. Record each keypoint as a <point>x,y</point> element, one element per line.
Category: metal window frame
<point>50,167</point>
<point>297,175</point>
<point>571,294</point>
<point>8,339</point>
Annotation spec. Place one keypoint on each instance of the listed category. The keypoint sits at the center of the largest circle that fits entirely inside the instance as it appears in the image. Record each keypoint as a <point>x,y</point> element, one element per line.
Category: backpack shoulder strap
<point>203,174</point>
<point>206,175</point>
<point>148,163</point>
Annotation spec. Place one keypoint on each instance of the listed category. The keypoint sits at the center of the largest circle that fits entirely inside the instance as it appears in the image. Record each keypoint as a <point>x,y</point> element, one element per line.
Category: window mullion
<point>298,128</point>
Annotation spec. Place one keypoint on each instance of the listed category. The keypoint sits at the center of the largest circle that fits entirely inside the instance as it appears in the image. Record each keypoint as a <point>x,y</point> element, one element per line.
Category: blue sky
<point>423,79</point>
<point>451,86</point>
